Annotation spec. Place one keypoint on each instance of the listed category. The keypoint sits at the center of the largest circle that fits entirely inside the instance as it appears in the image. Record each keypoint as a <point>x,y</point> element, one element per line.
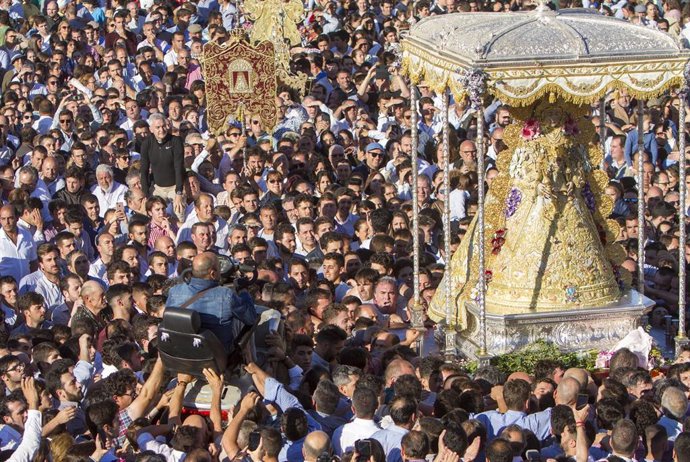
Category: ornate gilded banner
<point>240,79</point>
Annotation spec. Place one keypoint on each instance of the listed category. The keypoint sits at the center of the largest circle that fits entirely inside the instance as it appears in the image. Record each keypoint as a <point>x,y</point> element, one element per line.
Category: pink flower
<point>570,128</point>
<point>531,129</point>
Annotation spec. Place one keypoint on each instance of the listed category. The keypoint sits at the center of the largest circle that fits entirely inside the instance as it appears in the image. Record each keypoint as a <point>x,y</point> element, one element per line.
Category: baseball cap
<point>374,146</point>
<point>194,28</point>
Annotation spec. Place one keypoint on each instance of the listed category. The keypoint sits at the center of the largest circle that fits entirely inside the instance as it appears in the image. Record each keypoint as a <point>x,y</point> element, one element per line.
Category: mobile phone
<point>254,440</point>
<point>582,401</point>
<point>363,448</point>
<point>533,455</point>
<point>119,207</point>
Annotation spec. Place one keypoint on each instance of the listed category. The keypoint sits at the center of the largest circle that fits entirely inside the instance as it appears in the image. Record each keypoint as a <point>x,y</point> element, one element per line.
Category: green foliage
<point>526,358</point>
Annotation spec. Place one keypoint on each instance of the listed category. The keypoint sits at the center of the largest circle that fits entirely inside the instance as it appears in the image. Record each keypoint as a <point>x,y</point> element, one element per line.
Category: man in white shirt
<point>17,248</point>
<point>108,191</point>
<point>364,404</point>
<point>46,280</point>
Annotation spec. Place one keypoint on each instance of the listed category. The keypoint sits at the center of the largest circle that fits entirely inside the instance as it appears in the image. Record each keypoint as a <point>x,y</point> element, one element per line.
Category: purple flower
<point>474,81</point>
<point>512,202</point>
<point>588,197</point>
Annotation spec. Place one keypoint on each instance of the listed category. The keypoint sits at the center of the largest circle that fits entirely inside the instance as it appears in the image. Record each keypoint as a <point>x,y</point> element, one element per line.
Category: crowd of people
<point>113,188</point>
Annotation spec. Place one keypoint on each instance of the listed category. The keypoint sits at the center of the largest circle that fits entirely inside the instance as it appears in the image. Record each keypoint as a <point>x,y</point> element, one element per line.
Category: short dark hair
<point>415,444</point>
<point>29,299</point>
<point>294,424</point>
<point>624,437</point>
<point>365,402</point>
<point>402,408</point>
<point>682,447</point>
<point>100,414</point>
<point>499,450</point>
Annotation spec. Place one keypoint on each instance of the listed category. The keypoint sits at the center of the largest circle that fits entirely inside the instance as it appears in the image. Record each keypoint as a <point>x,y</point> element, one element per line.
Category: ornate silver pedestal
<point>571,330</point>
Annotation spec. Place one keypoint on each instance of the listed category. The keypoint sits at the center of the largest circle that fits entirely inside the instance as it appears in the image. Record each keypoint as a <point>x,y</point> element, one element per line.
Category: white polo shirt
<point>15,258</point>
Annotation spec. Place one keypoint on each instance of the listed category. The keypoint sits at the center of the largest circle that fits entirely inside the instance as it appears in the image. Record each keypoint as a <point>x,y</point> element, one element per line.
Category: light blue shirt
<point>276,393</point>
<point>390,439</point>
<point>538,423</point>
<point>673,427</point>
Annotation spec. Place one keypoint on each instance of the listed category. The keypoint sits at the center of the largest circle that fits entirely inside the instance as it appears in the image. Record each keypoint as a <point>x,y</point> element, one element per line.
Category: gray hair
<point>236,226</point>
<point>157,116</point>
<point>387,280</point>
<point>342,375</point>
<point>31,170</point>
<point>104,168</point>
<point>674,402</point>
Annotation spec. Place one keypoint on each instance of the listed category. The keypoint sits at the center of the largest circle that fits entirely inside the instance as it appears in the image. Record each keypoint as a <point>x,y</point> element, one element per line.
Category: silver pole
<point>480,225</point>
<point>602,124</point>
<point>682,192</point>
<point>450,334</point>
<point>640,198</point>
<point>446,204</point>
<point>417,308</point>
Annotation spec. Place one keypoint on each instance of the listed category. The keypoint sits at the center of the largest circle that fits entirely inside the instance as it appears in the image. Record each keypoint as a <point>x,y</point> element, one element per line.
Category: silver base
<point>571,330</point>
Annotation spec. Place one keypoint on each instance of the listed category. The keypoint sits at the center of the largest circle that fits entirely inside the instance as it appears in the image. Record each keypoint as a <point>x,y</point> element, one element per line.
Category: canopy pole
<point>602,124</point>
<point>640,198</point>
<point>448,286</point>
<point>681,338</point>
<point>483,353</point>
<point>418,313</point>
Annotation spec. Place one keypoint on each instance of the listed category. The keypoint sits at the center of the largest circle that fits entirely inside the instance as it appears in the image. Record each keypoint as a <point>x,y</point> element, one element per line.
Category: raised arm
<point>229,441</point>
<point>149,391</point>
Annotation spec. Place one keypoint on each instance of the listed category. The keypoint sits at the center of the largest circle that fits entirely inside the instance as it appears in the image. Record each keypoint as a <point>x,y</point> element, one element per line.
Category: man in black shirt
<point>164,154</point>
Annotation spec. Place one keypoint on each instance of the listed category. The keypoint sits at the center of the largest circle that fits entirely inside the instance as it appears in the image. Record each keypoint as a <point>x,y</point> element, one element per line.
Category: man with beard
<point>46,280</point>
<point>32,308</point>
<point>109,192</point>
<point>285,241</point>
<point>50,175</point>
<point>64,387</point>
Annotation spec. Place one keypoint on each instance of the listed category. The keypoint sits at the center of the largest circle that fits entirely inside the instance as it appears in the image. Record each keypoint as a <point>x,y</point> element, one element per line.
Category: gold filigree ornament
<point>277,21</point>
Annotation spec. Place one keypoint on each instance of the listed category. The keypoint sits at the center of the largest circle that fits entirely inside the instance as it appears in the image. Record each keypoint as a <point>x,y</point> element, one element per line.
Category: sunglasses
<point>234,134</point>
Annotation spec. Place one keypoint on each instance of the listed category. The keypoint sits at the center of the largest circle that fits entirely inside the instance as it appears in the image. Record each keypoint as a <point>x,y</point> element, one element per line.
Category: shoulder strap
<point>194,298</point>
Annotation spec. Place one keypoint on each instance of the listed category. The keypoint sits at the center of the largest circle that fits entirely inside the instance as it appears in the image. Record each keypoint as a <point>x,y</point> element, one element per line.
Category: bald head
<point>206,266</point>
<point>520,375</point>
<point>92,295</point>
<point>567,391</point>
<point>90,288</point>
<point>315,444</point>
<point>654,191</point>
<point>395,369</point>
<point>578,374</point>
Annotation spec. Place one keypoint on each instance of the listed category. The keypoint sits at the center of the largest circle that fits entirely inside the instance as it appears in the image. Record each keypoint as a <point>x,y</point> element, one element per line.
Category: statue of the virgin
<point>548,245</point>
